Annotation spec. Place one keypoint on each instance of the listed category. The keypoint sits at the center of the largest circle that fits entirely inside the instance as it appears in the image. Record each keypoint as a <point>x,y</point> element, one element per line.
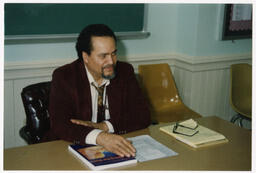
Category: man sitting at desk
<point>96,98</point>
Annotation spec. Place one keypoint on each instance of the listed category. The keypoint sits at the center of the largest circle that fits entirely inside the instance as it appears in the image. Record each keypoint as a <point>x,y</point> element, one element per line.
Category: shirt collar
<point>91,79</point>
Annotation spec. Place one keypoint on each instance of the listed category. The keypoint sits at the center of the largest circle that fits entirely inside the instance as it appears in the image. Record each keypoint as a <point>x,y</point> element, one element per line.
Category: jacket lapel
<point>86,102</point>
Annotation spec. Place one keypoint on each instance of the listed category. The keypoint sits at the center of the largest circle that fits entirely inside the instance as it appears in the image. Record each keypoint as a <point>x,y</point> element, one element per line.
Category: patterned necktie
<point>101,110</point>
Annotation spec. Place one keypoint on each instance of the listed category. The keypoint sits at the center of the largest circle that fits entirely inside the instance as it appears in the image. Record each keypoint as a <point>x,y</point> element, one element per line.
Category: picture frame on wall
<point>237,23</point>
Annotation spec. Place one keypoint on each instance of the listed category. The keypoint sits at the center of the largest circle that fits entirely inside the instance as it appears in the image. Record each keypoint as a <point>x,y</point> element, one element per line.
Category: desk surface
<point>234,155</point>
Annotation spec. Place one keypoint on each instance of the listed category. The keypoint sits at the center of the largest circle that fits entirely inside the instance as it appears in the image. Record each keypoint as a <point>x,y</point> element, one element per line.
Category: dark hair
<point>84,39</point>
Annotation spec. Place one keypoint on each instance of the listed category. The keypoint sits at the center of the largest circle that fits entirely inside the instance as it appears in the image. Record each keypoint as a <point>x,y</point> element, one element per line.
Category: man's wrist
<point>91,137</point>
<point>99,137</point>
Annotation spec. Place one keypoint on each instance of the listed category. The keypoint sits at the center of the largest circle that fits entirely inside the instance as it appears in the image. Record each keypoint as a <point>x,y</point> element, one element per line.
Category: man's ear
<point>85,56</point>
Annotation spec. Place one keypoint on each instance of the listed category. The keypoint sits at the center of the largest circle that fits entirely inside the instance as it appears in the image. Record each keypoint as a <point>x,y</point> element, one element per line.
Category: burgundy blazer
<point>70,97</point>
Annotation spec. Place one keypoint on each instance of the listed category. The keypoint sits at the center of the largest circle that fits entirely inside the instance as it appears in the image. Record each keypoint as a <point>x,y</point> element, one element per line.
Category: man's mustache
<point>109,65</point>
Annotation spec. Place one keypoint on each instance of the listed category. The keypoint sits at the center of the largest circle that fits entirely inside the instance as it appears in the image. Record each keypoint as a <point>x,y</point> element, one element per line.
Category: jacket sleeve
<point>62,107</point>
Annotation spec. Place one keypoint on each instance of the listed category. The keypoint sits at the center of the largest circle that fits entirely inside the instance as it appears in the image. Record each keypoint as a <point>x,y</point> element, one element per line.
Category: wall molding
<point>21,70</point>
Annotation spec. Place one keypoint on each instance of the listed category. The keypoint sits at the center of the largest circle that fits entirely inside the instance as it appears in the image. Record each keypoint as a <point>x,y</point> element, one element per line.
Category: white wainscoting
<point>203,84</point>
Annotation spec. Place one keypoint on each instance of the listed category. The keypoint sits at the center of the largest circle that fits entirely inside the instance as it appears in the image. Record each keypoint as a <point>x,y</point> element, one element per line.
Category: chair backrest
<point>241,88</point>
<point>35,99</point>
<point>159,85</point>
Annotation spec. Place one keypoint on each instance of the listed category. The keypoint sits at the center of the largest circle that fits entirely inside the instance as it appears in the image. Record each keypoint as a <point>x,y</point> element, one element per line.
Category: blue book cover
<point>97,158</point>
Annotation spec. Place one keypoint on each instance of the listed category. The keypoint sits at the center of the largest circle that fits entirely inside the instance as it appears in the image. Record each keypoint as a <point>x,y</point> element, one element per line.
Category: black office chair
<point>35,99</point>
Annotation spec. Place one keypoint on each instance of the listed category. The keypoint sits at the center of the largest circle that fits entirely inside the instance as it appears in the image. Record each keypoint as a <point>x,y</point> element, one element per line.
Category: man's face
<point>101,63</point>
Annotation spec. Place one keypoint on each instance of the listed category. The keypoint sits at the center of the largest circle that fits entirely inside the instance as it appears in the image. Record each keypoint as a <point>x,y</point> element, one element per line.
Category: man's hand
<point>102,126</point>
<point>116,144</point>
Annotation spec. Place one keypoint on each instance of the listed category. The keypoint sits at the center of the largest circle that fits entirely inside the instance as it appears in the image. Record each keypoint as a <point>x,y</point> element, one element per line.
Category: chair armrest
<point>26,135</point>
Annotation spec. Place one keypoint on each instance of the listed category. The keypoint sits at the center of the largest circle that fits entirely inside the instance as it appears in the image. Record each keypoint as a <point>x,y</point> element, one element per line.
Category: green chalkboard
<point>34,19</point>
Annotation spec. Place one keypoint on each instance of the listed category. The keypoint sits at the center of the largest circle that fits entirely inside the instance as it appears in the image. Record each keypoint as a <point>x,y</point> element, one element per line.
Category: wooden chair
<point>241,92</point>
<point>160,89</point>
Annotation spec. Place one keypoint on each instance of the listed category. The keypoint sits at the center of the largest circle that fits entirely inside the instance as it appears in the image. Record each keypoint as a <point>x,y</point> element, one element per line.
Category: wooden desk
<point>234,155</point>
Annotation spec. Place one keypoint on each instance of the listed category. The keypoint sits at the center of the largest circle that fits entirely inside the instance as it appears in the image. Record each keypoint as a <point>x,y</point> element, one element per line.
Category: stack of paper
<point>202,135</point>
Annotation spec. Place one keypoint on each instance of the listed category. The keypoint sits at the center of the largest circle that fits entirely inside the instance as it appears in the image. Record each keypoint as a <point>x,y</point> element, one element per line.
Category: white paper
<point>148,148</point>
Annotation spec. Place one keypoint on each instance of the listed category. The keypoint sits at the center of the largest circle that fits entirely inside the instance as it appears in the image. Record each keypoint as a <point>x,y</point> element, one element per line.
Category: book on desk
<point>193,134</point>
<point>97,158</point>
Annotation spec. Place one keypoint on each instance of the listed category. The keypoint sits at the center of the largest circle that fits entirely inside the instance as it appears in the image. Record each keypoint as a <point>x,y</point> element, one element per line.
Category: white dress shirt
<point>92,136</point>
